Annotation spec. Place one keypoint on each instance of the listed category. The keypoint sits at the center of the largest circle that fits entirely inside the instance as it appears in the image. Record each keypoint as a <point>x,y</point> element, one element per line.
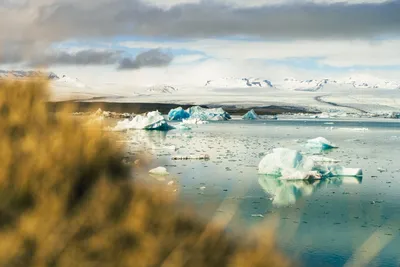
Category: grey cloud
<point>150,58</point>
<point>209,19</point>
<point>83,57</point>
<point>16,52</point>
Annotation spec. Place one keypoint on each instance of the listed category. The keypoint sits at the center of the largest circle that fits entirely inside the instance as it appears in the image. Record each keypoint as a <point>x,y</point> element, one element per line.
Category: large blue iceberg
<point>250,115</point>
<point>197,112</point>
<point>178,114</point>
<point>208,114</point>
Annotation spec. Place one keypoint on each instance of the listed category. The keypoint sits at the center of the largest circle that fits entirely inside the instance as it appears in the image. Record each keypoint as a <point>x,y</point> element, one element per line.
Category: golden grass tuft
<point>66,199</point>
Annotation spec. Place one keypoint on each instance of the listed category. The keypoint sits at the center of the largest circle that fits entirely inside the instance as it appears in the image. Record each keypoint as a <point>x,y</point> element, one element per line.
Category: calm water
<point>327,223</point>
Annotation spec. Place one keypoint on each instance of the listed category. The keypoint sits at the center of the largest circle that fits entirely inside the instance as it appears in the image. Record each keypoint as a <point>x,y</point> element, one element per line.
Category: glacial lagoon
<point>337,221</point>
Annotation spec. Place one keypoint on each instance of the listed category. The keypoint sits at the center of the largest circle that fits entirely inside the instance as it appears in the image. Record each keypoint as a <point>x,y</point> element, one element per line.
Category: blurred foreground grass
<point>66,199</point>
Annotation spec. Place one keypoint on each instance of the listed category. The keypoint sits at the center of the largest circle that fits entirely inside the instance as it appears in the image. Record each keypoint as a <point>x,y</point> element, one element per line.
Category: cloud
<point>150,58</point>
<point>60,20</point>
<point>335,53</point>
<point>83,57</point>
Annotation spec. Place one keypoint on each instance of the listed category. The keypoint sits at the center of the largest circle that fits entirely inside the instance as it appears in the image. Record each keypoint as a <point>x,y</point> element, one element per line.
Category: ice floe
<point>189,157</point>
<point>150,121</point>
<point>250,115</point>
<point>320,143</point>
<point>194,121</point>
<point>290,164</point>
<point>160,171</point>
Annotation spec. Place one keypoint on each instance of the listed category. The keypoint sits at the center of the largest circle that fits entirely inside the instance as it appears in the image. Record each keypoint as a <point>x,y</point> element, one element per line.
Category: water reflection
<point>140,139</point>
<point>286,193</point>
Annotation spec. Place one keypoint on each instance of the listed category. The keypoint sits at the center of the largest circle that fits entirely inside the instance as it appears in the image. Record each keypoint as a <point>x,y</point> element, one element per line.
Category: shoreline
<point>138,108</point>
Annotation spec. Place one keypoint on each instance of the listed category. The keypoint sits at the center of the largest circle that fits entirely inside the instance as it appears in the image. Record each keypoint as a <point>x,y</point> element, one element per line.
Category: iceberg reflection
<point>286,193</point>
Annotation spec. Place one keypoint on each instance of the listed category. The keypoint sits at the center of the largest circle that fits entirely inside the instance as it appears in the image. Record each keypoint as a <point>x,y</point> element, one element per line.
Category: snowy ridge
<point>21,74</point>
<point>68,81</point>
<point>312,85</point>
<point>370,82</point>
<point>239,83</point>
<point>162,89</point>
<point>304,85</point>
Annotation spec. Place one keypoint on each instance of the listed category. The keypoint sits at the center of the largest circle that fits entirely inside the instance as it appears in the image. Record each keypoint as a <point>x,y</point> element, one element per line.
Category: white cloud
<point>333,53</point>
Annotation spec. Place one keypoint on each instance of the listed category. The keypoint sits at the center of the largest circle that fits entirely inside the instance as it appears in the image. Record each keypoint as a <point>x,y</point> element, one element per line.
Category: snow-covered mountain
<point>64,80</point>
<point>303,85</point>
<point>366,81</point>
<point>162,89</point>
<point>70,82</point>
<point>358,82</point>
<point>239,83</point>
<point>22,74</point>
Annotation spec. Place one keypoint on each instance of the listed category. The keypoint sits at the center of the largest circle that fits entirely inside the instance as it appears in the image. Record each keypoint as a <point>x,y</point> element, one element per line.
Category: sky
<point>192,41</point>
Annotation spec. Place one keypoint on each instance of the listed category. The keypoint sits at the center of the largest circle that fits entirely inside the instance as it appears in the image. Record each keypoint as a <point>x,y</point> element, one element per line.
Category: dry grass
<point>66,199</point>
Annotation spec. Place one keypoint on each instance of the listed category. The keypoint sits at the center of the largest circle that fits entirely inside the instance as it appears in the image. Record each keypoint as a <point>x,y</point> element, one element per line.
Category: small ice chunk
<point>188,157</point>
<point>160,171</point>
<point>194,121</point>
<point>183,127</point>
<point>178,114</point>
<point>336,170</point>
<point>250,115</point>
<point>320,143</point>
<point>151,121</point>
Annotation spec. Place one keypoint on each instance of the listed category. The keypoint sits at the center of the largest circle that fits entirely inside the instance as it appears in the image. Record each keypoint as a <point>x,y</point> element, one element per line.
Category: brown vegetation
<point>66,199</point>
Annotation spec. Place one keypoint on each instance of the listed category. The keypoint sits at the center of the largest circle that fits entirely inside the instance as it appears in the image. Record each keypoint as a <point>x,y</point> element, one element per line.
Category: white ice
<point>194,121</point>
<point>160,171</point>
<point>151,121</point>
<point>320,143</point>
<point>290,164</point>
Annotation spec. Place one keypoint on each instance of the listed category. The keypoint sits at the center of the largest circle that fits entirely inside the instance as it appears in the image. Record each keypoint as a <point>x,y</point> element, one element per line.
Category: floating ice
<point>151,121</point>
<point>188,157</point>
<point>183,127</point>
<point>160,171</point>
<point>178,114</point>
<point>250,115</point>
<point>287,164</point>
<point>292,165</point>
<point>320,143</point>
<point>206,114</point>
<point>194,121</point>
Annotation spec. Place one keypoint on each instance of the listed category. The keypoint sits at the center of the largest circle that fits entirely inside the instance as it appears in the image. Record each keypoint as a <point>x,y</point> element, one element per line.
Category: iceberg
<point>206,114</point>
<point>151,121</point>
<point>178,114</point>
<point>290,164</point>
<point>250,115</point>
<point>320,143</point>
<point>287,164</point>
<point>160,171</point>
